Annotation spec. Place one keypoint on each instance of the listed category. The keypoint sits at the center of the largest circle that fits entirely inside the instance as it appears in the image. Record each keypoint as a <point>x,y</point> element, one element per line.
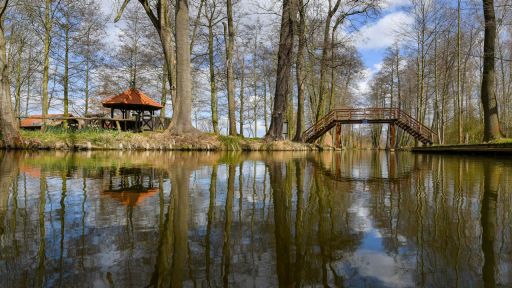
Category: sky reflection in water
<point>360,218</point>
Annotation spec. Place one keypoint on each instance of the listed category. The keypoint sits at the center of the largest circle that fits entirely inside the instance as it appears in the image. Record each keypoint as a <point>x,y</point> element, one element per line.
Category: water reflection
<point>131,186</point>
<point>341,219</point>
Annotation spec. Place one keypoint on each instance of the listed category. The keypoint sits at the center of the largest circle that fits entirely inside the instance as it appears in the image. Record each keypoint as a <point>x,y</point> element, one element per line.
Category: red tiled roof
<point>37,120</point>
<point>131,198</point>
<point>132,98</point>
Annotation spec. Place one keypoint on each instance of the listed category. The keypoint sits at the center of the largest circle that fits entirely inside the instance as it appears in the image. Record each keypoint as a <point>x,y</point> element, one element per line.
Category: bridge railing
<point>417,126</point>
<point>368,114</point>
<point>352,114</point>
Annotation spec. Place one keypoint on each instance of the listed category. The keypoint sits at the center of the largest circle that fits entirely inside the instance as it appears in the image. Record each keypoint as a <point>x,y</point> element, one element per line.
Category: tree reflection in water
<point>348,219</point>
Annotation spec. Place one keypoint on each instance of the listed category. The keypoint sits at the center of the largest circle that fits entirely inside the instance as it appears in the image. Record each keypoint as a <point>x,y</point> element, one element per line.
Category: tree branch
<point>121,10</point>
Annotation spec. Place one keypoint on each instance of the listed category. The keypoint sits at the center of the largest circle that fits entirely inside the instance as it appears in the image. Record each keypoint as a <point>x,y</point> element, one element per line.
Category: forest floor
<point>60,139</point>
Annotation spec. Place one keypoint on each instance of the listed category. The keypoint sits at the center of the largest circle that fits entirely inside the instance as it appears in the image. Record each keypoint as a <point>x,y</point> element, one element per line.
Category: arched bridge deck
<point>392,116</point>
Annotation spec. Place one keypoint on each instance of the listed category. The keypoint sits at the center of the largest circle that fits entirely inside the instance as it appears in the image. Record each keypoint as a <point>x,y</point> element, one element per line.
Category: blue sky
<point>378,34</point>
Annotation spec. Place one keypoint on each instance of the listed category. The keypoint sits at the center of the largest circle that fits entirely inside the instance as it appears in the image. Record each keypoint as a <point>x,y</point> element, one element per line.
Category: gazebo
<point>138,102</point>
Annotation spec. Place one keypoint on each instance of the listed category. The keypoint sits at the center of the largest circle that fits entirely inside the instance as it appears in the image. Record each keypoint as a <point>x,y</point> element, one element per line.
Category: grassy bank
<point>100,139</point>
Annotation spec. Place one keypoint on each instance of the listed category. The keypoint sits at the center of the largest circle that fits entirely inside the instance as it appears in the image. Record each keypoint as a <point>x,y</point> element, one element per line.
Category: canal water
<point>338,219</point>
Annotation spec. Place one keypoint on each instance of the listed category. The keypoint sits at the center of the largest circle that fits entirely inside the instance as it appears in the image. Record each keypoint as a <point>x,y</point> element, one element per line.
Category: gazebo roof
<point>131,198</point>
<point>132,99</point>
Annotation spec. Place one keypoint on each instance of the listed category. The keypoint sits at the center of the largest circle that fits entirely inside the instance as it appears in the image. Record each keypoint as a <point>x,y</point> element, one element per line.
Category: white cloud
<point>363,85</point>
<point>391,4</point>
<point>382,33</point>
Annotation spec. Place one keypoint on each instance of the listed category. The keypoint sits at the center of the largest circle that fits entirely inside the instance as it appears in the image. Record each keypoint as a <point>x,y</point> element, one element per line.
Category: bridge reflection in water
<point>352,219</point>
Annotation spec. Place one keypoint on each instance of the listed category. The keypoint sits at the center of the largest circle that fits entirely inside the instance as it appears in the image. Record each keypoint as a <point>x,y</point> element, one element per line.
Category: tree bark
<point>163,98</point>
<point>17,96</point>
<point>182,121</point>
<point>48,22</point>
<point>459,94</point>
<point>65,78</point>
<point>230,43</point>
<point>8,125</point>
<point>242,95</point>
<point>87,68</point>
<point>213,87</point>
<point>284,63</point>
<point>488,94</point>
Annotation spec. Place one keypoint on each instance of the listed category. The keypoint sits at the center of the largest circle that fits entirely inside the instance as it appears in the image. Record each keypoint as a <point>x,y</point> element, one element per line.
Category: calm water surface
<point>352,219</point>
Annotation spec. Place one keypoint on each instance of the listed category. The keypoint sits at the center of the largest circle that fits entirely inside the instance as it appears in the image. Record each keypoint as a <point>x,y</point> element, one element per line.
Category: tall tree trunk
<point>324,61</point>
<point>163,98</point>
<point>181,121</point>
<point>398,91</point>
<point>265,104</point>
<point>242,96</point>
<point>87,71</point>
<point>17,96</point>
<point>230,43</point>
<point>48,22</point>
<point>459,94</point>
<point>255,86</point>
<point>284,64</point>
<point>65,78</point>
<point>29,76</point>
<point>8,125</point>
<point>213,87</point>
<point>323,70</point>
<point>488,94</point>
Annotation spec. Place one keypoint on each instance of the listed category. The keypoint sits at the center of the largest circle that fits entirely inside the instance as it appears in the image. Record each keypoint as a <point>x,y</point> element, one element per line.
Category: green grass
<point>503,141</point>
<point>237,142</point>
<point>95,136</point>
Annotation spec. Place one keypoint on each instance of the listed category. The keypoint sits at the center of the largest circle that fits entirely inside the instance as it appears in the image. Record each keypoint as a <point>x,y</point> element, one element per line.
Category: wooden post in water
<point>392,131</point>
<point>338,136</point>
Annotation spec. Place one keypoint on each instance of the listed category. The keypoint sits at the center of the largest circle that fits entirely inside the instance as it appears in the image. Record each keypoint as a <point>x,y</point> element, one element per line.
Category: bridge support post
<point>392,132</point>
<point>338,136</point>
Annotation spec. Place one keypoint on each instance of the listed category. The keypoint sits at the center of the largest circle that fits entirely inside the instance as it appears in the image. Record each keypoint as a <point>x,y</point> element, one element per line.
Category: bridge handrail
<point>358,114</point>
<point>421,128</point>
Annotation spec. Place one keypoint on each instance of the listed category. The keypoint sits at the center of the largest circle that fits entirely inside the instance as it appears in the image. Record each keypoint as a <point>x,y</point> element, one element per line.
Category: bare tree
<point>212,19</point>
<point>181,121</point>
<point>284,64</point>
<point>488,94</point>
<point>229,35</point>
<point>8,126</point>
<point>299,63</point>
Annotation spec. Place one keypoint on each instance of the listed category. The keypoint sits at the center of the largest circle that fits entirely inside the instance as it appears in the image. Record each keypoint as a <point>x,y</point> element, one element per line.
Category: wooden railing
<point>153,123</point>
<point>370,115</point>
<point>415,125</point>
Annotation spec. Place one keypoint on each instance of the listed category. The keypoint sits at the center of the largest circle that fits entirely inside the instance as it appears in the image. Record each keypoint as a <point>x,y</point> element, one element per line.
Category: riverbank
<point>115,140</point>
<point>504,147</point>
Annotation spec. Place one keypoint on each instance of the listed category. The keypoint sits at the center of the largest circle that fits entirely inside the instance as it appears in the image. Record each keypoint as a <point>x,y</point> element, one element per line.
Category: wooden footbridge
<point>392,116</point>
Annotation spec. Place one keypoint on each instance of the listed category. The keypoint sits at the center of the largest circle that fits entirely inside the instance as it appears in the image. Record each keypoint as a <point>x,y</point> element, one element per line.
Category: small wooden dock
<point>476,149</point>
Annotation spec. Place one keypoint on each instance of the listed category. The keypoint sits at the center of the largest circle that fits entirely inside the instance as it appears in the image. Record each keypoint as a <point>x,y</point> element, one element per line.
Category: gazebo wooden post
<point>152,120</point>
